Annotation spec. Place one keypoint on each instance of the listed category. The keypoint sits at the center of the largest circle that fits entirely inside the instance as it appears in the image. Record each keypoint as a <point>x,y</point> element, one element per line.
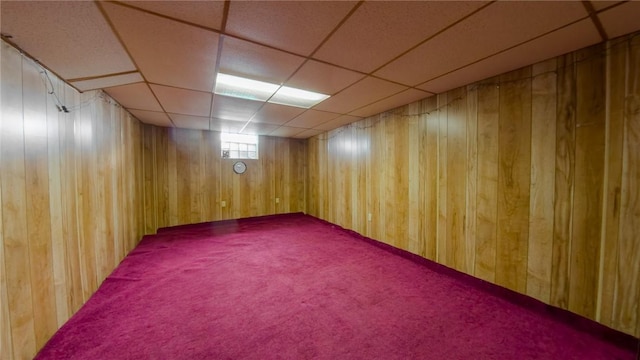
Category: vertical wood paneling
<point>455,245</point>
<point>528,180</point>
<point>564,177</point>
<point>441,250</point>
<point>589,178</point>
<point>609,252</point>
<point>189,163</point>
<point>471,217</point>
<point>415,137</point>
<point>14,212</point>
<point>150,201</point>
<point>58,245</point>
<point>514,179</point>
<point>487,188</point>
<point>398,230</point>
<point>59,221</point>
<point>430,179</point>
<point>37,201</point>
<point>543,150</point>
<point>626,315</point>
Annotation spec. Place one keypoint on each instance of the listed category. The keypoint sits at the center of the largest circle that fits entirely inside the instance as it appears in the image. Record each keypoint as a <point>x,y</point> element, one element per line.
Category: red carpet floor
<point>295,287</point>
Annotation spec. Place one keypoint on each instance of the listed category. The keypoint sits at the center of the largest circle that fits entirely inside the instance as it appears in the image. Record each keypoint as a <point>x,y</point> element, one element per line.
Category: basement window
<point>239,146</point>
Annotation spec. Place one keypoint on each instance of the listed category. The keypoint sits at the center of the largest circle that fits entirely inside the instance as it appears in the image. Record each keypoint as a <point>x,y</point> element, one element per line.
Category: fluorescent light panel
<point>238,87</point>
<point>244,88</point>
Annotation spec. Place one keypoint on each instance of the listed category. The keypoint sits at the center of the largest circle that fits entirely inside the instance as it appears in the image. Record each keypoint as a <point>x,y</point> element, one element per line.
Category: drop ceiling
<point>159,59</point>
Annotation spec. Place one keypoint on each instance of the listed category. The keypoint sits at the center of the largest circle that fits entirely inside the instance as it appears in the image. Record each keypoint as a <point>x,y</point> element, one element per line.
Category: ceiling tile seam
<point>350,113</point>
<point>330,120</point>
<point>396,82</point>
<point>7,38</point>
<point>215,79</point>
<point>502,51</point>
<point>219,32</point>
<point>595,19</point>
<point>460,20</point>
<point>338,26</point>
<point>179,88</point>
<point>225,16</point>
<point>126,49</point>
<point>310,128</point>
<point>299,132</point>
<point>104,76</point>
<point>132,7</point>
<point>306,59</point>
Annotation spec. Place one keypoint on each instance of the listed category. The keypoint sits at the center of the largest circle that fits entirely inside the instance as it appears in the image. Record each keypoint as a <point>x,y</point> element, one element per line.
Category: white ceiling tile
<point>286,131</point>
<point>380,30</point>
<point>166,51</point>
<point>181,101</point>
<point>205,13</point>
<point>190,122</point>
<point>228,108</point>
<point>70,37</point>
<point>296,26</point>
<point>576,36</point>
<point>257,62</point>
<point>277,114</point>
<point>259,128</point>
<point>338,122</point>
<point>622,19</point>
<point>323,78</point>
<point>362,93</point>
<point>108,81</point>
<point>308,133</point>
<point>226,125</point>
<point>152,117</point>
<point>403,98</point>
<point>135,96</point>
<point>497,27</point>
<point>312,118</point>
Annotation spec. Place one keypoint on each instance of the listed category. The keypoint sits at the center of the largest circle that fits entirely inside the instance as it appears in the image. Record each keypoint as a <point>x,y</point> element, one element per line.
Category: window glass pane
<point>239,146</point>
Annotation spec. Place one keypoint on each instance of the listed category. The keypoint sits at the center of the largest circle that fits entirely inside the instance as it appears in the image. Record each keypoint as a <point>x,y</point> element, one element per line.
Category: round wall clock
<point>239,167</point>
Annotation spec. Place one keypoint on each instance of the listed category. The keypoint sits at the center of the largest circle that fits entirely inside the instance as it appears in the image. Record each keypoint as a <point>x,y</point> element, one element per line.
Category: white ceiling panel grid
<point>190,122</point>
<point>228,108</point>
<point>167,52</point>
<point>72,37</point>
<point>107,81</point>
<point>181,101</point>
<point>576,36</point>
<point>246,59</point>
<point>296,26</point>
<point>360,94</point>
<point>499,26</point>
<point>135,96</point>
<point>152,117</point>
<point>277,114</point>
<point>204,13</point>
<point>160,59</point>
<point>380,30</point>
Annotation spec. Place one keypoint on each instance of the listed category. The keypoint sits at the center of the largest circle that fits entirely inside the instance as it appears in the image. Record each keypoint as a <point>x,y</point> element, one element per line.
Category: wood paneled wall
<point>71,200</point>
<point>186,180</point>
<point>530,180</point>
<point>79,189</point>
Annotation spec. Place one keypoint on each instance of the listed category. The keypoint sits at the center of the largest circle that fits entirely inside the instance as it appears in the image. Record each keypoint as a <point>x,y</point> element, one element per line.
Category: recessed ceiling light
<point>296,97</point>
<point>250,89</point>
<point>243,88</point>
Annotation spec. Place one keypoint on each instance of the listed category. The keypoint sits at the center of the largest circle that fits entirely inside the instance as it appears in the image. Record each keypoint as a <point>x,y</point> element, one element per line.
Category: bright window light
<point>244,88</point>
<point>296,97</point>
<point>239,146</point>
<point>235,86</point>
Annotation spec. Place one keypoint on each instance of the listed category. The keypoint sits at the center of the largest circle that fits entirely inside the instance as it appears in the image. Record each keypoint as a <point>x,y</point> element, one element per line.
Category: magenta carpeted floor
<point>295,287</point>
